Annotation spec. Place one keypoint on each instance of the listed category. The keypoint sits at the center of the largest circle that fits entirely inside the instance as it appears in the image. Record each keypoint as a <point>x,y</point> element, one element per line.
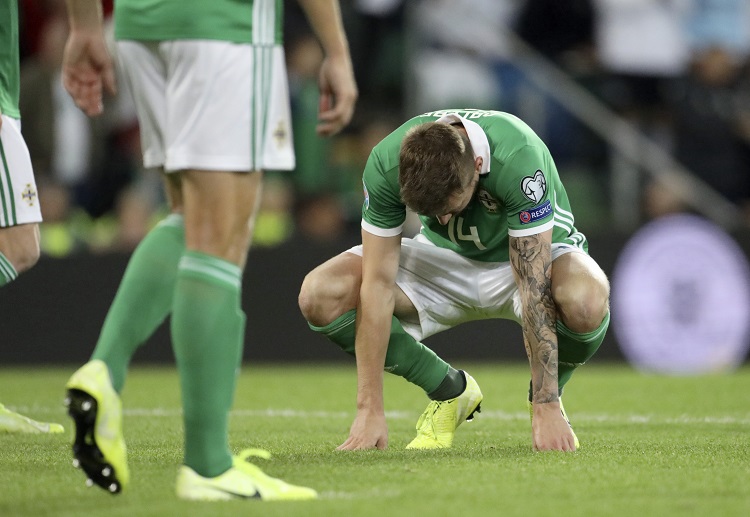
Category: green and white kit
<point>19,201</point>
<point>209,81</point>
<point>519,191</point>
<point>460,271</point>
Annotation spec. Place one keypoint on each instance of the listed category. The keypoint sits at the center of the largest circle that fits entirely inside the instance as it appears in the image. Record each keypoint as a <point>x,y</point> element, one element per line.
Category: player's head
<point>437,170</point>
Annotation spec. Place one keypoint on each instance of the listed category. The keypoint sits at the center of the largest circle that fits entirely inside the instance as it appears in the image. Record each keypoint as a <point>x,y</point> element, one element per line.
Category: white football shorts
<point>19,199</point>
<point>210,105</point>
<point>448,289</point>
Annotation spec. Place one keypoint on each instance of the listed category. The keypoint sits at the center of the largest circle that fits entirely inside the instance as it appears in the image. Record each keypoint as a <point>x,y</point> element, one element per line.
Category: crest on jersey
<point>489,202</point>
<point>534,187</point>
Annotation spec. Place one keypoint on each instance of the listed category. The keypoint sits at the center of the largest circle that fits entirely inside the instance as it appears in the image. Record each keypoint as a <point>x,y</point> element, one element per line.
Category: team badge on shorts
<point>281,134</point>
<point>489,202</point>
<point>29,194</point>
<point>534,187</point>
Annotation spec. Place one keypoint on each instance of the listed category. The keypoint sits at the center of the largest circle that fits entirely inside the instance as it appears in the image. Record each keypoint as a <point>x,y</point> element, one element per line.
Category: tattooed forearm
<point>532,265</point>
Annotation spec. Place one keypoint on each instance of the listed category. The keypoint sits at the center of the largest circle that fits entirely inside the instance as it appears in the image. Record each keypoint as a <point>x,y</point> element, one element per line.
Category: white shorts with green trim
<point>448,289</point>
<point>19,199</point>
<point>210,105</point>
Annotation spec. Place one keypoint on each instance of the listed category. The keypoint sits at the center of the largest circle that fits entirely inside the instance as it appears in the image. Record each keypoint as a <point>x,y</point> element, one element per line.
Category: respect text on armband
<point>536,213</point>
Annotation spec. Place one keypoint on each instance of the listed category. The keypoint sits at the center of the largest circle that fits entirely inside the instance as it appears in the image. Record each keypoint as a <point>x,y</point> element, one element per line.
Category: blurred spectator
<point>563,32</point>
<point>58,236</point>
<point>711,107</point>
<point>460,55</point>
<point>377,39</point>
<point>720,23</point>
<point>66,146</point>
<point>642,46</point>
<point>274,223</point>
<point>304,57</point>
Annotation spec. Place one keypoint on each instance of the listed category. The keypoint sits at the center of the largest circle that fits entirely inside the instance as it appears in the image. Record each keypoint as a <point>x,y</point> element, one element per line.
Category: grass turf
<point>651,445</point>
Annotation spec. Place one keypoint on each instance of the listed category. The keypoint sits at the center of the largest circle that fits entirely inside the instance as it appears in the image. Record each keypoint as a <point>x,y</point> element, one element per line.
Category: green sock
<point>406,357</point>
<point>143,299</point>
<point>575,349</point>
<point>7,272</point>
<point>208,329</point>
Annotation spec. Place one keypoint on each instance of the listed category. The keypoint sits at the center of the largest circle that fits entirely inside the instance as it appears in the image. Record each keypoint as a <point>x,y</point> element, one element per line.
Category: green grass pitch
<point>650,445</point>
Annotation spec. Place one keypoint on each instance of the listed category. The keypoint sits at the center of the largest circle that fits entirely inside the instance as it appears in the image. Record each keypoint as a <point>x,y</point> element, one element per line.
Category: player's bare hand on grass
<point>550,431</point>
<point>338,94</point>
<point>87,70</point>
<point>369,431</point>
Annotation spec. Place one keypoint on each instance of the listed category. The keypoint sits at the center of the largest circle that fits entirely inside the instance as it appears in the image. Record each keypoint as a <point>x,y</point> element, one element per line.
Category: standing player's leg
<point>224,124</point>
<point>19,238</point>
<point>207,320</point>
<point>144,297</point>
<point>208,330</point>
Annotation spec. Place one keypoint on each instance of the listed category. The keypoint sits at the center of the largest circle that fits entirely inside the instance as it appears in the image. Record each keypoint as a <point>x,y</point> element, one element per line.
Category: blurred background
<point>644,104</point>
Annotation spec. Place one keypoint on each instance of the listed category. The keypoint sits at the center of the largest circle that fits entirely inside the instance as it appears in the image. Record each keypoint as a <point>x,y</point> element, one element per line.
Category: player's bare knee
<point>306,299</point>
<point>325,296</point>
<point>582,309</point>
<point>29,258</point>
<point>316,301</point>
<point>20,245</point>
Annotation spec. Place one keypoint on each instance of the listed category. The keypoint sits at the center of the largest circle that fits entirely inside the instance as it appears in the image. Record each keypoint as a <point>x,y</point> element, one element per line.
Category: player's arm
<point>87,66</point>
<point>380,256</point>
<point>338,90</point>
<point>531,259</point>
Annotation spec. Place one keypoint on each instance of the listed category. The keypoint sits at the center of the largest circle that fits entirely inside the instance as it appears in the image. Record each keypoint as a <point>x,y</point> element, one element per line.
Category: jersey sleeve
<point>383,212</point>
<point>528,191</point>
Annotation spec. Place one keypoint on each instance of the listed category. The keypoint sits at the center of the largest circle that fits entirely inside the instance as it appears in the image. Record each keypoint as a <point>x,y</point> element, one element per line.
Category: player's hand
<point>550,431</point>
<point>338,95</point>
<point>369,431</point>
<point>87,70</point>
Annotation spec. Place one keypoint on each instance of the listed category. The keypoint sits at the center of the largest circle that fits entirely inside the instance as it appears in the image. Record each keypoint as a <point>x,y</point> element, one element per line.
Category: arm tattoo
<point>532,264</point>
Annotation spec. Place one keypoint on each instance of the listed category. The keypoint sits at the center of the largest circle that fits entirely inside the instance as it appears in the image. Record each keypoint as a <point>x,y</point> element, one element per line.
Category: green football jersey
<point>519,191</point>
<point>236,21</point>
<point>9,64</point>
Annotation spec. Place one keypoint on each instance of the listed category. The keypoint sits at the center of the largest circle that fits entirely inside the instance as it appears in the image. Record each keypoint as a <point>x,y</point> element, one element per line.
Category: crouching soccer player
<point>497,241</point>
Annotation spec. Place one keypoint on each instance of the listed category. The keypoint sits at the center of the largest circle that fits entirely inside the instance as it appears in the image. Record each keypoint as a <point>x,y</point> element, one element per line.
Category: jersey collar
<point>479,143</point>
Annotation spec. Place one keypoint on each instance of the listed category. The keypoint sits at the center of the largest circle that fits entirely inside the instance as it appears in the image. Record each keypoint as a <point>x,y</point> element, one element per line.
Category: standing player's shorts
<point>19,200</point>
<point>448,289</point>
<point>210,105</point>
